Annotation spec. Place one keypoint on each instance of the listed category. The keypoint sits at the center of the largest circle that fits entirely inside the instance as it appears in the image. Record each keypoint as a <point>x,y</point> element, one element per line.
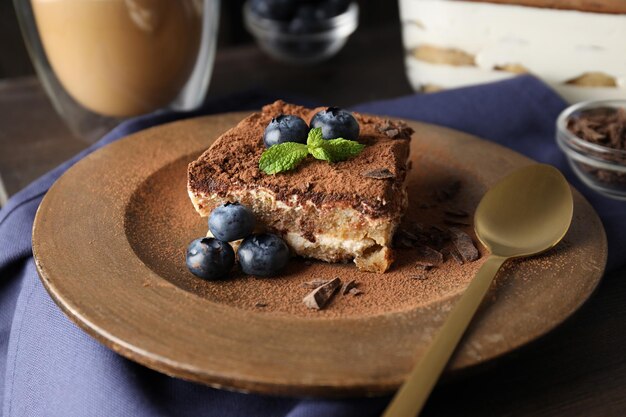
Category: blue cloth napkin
<point>49,367</point>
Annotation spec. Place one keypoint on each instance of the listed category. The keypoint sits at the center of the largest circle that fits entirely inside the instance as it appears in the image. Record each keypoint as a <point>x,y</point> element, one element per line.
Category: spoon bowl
<point>526,213</point>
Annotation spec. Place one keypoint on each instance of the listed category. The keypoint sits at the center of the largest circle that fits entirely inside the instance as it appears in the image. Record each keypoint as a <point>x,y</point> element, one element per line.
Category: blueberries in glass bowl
<point>290,10</point>
<point>274,9</point>
<point>301,31</point>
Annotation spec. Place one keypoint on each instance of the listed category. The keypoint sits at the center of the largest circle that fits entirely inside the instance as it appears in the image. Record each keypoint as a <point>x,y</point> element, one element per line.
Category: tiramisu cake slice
<point>577,46</point>
<point>334,212</point>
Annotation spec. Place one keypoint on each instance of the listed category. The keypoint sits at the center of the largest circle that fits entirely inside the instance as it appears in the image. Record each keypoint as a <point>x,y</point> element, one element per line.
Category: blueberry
<point>306,12</point>
<point>299,25</point>
<point>282,10</point>
<point>231,221</point>
<point>263,255</point>
<point>285,128</point>
<point>336,123</point>
<point>210,258</point>
<point>304,21</point>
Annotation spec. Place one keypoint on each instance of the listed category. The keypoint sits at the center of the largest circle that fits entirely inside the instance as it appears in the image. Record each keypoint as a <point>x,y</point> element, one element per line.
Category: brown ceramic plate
<point>109,242</point>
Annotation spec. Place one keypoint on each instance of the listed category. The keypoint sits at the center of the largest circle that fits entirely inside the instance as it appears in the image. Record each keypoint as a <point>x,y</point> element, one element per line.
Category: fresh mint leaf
<point>282,157</point>
<point>315,138</point>
<point>321,152</point>
<point>333,150</point>
<point>287,155</point>
<point>342,149</point>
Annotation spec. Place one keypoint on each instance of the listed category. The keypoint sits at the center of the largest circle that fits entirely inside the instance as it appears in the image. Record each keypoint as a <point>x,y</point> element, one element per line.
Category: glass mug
<point>102,61</point>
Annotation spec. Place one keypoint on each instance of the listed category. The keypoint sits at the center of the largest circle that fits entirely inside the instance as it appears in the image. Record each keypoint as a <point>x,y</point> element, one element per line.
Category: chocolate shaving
<point>320,296</point>
<point>416,233</point>
<point>603,126</point>
<point>448,192</point>
<point>405,243</point>
<point>428,256</point>
<point>454,254</point>
<point>379,174</point>
<point>437,236</point>
<point>355,291</point>
<point>434,229</point>
<point>451,222</point>
<point>392,133</point>
<point>464,244</point>
<point>421,276</point>
<point>348,286</point>
<point>589,133</point>
<point>406,239</point>
<point>455,213</point>
<point>416,227</point>
<point>408,235</point>
<point>395,129</point>
<point>315,283</point>
<point>261,304</point>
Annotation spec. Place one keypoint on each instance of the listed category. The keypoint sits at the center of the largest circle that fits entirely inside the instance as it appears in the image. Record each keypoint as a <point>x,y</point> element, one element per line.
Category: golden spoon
<point>526,213</point>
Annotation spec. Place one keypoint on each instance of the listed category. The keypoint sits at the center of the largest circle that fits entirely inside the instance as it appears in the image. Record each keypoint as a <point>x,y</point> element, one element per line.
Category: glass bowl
<point>601,168</point>
<point>322,40</point>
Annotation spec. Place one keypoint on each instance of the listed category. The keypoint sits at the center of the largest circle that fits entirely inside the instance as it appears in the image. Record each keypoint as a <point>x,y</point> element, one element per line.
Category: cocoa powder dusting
<point>232,163</point>
<point>160,222</point>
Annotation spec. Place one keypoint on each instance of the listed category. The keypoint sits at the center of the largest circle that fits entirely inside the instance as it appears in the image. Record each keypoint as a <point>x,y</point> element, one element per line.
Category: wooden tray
<point>109,241</point>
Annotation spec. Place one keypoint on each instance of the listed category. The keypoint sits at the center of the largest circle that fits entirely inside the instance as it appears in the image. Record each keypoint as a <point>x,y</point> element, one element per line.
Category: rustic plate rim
<point>147,358</point>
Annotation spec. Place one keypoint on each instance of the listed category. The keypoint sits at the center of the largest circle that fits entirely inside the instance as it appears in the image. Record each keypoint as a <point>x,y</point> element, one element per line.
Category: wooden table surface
<point>579,370</point>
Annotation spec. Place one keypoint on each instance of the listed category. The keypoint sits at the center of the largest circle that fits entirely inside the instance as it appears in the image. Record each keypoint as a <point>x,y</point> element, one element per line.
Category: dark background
<point>14,59</point>
<point>578,370</point>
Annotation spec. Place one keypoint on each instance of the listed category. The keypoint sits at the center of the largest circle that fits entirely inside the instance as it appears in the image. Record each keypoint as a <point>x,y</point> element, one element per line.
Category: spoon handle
<point>412,395</point>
